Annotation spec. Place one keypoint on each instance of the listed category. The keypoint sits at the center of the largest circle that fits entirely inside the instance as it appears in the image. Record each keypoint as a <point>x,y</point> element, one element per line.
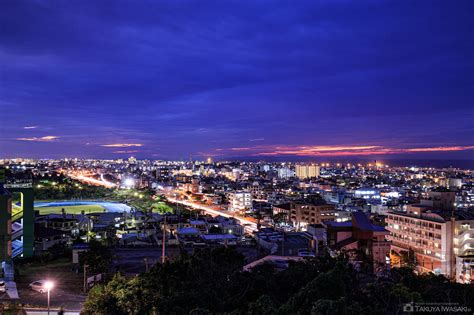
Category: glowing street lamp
<point>48,285</point>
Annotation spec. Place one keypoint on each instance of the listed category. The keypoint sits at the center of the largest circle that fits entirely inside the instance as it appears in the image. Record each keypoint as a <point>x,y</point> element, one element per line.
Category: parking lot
<point>67,291</point>
<point>59,298</point>
<point>131,261</point>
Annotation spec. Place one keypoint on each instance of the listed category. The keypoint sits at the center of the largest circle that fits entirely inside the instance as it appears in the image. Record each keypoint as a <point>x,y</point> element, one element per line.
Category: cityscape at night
<point>236,157</point>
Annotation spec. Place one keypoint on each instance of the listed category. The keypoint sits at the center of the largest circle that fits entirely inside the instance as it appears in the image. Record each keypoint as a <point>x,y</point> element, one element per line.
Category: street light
<point>48,285</point>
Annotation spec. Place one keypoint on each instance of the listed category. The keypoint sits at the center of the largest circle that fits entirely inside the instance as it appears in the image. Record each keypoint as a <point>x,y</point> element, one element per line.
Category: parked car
<point>3,286</point>
<point>39,286</point>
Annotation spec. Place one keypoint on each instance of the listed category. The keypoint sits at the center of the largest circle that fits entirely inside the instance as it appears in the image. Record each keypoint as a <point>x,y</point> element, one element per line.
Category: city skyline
<point>379,80</point>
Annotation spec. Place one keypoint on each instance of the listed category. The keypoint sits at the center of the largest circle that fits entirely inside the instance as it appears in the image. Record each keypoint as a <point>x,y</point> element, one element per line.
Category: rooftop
<point>209,237</point>
<point>188,230</point>
<point>362,221</point>
<point>439,215</point>
<point>41,231</point>
<point>286,206</point>
<point>335,224</point>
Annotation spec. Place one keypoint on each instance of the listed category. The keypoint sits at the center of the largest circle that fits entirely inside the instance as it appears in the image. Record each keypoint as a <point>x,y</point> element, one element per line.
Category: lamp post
<point>48,286</point>
<point>163,243</point>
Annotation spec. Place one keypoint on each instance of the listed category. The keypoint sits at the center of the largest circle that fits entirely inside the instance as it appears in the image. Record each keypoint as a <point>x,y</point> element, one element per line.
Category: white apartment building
<point>240,200</point>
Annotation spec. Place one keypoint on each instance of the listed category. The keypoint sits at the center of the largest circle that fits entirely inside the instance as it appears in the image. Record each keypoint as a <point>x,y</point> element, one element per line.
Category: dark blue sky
<point>170,79</point>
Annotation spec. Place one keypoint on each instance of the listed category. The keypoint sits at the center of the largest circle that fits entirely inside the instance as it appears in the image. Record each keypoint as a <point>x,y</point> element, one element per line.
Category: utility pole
<point>177,206</point>
<point>146,263</point>
<point>317,246</point>
<point>88,229</point>
<point>452,260</point>
<point>283,244</point>
<point>163,242</point>
<point>85,277</point>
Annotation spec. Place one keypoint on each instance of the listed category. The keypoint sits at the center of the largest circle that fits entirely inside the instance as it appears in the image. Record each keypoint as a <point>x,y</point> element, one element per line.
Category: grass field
<point>71,209</point>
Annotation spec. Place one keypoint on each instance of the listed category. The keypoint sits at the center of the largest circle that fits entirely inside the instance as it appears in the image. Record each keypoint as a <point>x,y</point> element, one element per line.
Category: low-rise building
<point>360,234</point>
<point>45,238</point>
<point>440,198</point>
<point>316,212</point>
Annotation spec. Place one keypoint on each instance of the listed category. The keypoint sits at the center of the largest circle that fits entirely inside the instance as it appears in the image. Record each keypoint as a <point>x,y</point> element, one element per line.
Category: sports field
<point>71,209</point>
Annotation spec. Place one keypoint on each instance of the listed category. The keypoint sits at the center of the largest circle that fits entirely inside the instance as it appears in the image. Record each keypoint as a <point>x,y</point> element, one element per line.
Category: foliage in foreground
<point>212,282</point>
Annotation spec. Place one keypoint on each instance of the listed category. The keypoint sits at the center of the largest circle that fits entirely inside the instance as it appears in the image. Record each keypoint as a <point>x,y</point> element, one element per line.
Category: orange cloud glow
<point>337,150</point>
<point>438,149</point>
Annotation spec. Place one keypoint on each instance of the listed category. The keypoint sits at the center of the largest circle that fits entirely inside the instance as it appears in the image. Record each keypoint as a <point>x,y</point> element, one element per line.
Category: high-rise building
<point>307,171</point>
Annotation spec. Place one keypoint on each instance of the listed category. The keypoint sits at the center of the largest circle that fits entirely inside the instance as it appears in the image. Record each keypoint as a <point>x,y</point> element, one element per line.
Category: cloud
<point>207,154</point>
<point>30,127</point>
<point>258,139</point>
<point>341,150</point>
<point>122,145</point>
<point>441,149</point>
<point>235,149</point>
<point>319,150</point>
<point>126,152</point>
<point>39,139</point>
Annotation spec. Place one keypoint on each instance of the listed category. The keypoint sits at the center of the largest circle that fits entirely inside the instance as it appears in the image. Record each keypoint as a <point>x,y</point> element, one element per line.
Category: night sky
<point>174,79</point>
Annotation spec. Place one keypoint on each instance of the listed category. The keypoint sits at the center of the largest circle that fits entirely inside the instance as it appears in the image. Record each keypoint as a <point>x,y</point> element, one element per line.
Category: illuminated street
<point>249,222</point>
<point>90,180</point>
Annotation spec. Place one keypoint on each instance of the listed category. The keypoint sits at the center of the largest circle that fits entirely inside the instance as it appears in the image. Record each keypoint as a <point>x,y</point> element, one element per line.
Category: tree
<point>212,281</point>
<point>280,218</point>
<point>265,305</point>
<point>97,258</point>
<point>102,299</point>
<point>408,259</point>
<point>161,208</point>
<point>12,309</point>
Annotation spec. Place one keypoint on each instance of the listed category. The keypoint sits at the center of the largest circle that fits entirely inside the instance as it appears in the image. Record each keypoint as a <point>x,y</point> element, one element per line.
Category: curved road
<point>251,224</point>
